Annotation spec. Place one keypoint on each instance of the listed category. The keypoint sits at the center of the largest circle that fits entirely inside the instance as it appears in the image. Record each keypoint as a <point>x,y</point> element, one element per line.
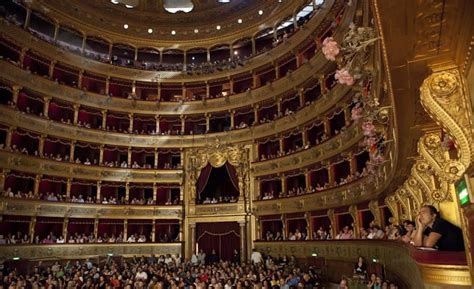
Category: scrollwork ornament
<point>438,196</point>
<point>432,141</point>
<point>443,84</point>
<point>453,171</point>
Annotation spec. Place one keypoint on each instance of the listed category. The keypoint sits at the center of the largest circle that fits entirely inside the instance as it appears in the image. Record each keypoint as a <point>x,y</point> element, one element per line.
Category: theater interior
<point>215,133</point>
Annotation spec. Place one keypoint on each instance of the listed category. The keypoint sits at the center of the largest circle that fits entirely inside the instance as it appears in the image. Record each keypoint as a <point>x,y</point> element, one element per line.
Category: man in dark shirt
<point>435,232</point>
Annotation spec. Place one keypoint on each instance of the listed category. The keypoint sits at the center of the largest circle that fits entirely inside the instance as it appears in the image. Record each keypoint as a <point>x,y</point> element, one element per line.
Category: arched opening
<point>217,185</point>
<point>223,238</point>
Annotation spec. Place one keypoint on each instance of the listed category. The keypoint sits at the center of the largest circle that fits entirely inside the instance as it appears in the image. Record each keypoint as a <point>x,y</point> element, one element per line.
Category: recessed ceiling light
<point>173,32</point>
<point>196,30</point>
<point>125,26</point>
<point>114,1</point>
<point>260,12</point>
<point>236,52</point>
<point>150,30</point>
<point>239,21</point>
<point>129,6</point>
<point>218,27</point>
<point>193,58</point>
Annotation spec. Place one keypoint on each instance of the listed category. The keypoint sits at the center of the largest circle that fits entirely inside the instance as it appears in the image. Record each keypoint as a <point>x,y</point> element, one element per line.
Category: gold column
<point>304,134</point>
<point>8,139</point>
<point>285,227</point>
<point>155,161</point>
<point>52,64</point>
<point>71,151</point>
<point>232,119</point>
<point>47,101</point>
<point>327,127</point>
<point>129,157</point>
<point>278,101</point>
<point>159,89</point>
<point>352,163</point>
<point>36,185</point>
<point>183,123</point>
<point>331,175</point>
<point>101,154</point>
<point>309,225</point>
<point>80,76</point>
<point>3,176</point>
<point>127,192</point>
<point>155,192</point>
<point>347,115</point>
<point>307,178</point>
<point>243,241</point>
<point>281,142</point>
<point>134,87</point>
<point>41,145</point>
<point>322,84</point>
<point>283,184</point>
<point>153,230</point>
<point>107,85</point>
<point>255,80</point>
<point>135,56</point>
<point>68,188</point>
<point>56,31</point>
<point>125,230</point>
<point>27,19</point>
<point>332,219</point>
<point>208,119</point>
<point>356,220</point>
<point>130,126</point>
<point>16,91</point>
<point>255,113</point>
<point>183,89</point>
<point>277,71</point>
<point>157,124</point>
<point>208,90</point>
<point>83,47</point>
<point>31,229</point>
<point>104,118</point>
<point>65,225</point>
<point>192,229</point>
<point>96,228</point>
<point>253,45</point>
<point>99,189</point>
<point>231,84</point>
<point>301,96</point>
<point>22,56</point>
<point>110,52</point>
<point>76,113</point>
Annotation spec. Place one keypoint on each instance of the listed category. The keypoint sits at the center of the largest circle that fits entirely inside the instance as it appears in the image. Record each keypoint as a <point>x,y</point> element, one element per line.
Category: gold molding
<point>310,112</point>
<point>22,207</point>
<point>82,251</point>
<point>35,165</point>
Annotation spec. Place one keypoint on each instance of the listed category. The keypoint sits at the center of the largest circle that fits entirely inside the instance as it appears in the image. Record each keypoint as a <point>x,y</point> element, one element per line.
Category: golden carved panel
<point>35,165</point>
<point>39,252</point>
<point>14,118</point>
<point>22,207</point>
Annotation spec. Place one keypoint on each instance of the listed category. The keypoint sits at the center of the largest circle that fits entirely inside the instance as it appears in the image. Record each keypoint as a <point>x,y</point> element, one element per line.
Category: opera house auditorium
<point>237,144</point>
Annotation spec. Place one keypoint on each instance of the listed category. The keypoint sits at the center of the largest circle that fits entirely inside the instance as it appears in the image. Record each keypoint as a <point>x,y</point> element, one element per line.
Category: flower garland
<point>351,56</point>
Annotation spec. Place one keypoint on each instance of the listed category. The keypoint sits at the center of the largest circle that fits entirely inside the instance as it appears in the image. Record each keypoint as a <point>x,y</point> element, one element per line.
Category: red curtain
<point>203,178</point>
<point>232,175</point>
<point>222,237</point>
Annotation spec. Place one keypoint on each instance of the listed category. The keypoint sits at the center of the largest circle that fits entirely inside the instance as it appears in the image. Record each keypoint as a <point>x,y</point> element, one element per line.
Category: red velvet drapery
<point>232,172</point>
<point>203,178</point>
<point>222,237</point>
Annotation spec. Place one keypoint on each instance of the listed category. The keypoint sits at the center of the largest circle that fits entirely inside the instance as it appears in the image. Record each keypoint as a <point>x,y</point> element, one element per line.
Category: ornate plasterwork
<point>217,155</point>
<point>439,166</point>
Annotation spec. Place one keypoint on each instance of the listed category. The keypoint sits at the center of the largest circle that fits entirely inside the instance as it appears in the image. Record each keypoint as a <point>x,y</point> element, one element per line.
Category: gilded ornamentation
<point>443,84</point>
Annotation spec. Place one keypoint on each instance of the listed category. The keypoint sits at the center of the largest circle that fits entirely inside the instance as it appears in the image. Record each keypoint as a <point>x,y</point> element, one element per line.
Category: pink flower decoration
<point>378,159</point>
<point>370,141</point>
<point>330,48</point>
<point>344,77</point>
<point>356,113</point>
<point>369,128</point>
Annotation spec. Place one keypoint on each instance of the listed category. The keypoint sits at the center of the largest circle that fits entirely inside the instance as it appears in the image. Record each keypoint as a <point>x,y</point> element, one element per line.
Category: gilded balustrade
<point>397,258</point>
<point>25,207</point>
<point>24,38</point>
<point>333,146</point>
<point>11,117</point>
<point>354,192</point>
<point>35,165</point>
<point>82,251</point>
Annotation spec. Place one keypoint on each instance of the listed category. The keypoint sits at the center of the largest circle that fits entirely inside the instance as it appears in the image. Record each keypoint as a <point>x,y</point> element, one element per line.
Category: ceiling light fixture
<point>260,12</point>
<point>125,26</point>
<point>129,6</point>
<point>173,32</point>
<point>150,30</point>
<point>114,1</point>
<point>218,27</point>
<point>239,21</point>
<point>196,30</point>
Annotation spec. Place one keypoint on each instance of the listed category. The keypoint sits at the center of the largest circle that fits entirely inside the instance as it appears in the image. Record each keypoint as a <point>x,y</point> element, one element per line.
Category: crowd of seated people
<point>81,238</point>
<point>303,191</point>
<point>57,197</point>
<point>219,200</point>
<point>360,276</point>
